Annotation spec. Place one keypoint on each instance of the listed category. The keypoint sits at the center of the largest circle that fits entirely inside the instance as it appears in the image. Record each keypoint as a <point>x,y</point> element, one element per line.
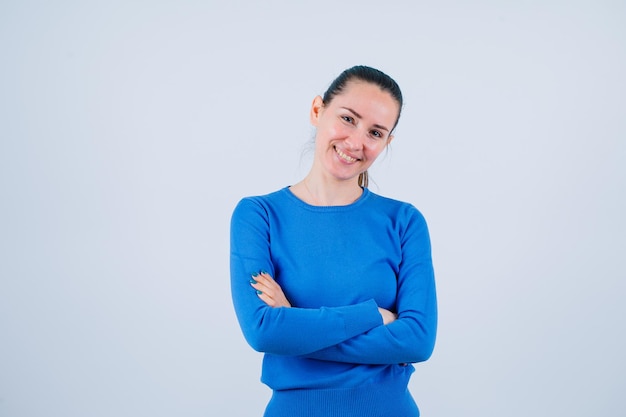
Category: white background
<point>129,130</point>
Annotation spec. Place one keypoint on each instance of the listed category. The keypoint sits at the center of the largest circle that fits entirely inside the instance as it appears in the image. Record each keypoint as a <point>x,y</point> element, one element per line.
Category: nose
<point>356,140</point>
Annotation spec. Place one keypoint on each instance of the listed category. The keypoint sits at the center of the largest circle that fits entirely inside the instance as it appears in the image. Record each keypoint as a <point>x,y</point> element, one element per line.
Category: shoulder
<point>396,208</point>
<point>260,203</point>
<point>405,219</point>
<point>263,198</point>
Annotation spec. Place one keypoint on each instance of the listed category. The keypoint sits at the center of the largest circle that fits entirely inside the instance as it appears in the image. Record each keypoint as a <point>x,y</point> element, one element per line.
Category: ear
<point>389,139</point>
<point>316,110</point>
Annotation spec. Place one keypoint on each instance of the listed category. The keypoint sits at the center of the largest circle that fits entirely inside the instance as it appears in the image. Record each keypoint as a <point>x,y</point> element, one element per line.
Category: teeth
<point>344,156</point>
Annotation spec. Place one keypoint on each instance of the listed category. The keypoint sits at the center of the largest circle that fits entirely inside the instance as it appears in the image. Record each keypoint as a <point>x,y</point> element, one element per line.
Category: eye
<point>377,134</point>
<point>348,119</point>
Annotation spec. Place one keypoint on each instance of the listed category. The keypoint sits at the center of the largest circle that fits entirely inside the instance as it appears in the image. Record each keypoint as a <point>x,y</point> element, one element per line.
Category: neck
<point>323,192</point>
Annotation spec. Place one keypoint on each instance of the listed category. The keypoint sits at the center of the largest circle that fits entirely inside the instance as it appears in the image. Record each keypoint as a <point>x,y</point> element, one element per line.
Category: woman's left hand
<point>269,291</point>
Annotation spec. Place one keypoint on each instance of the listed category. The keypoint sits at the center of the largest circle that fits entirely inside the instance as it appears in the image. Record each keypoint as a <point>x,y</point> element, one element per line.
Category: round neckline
<point>364,195</point>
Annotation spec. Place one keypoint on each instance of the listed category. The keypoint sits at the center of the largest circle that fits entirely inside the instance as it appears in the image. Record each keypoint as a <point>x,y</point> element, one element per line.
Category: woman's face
<point>353,129</point>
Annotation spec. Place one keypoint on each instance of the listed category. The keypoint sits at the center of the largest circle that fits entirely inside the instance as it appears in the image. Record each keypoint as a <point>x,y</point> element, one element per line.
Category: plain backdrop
<point>130,129</point>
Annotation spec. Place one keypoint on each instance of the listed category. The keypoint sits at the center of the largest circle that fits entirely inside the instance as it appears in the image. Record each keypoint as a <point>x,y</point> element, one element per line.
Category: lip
<point>345,156</point>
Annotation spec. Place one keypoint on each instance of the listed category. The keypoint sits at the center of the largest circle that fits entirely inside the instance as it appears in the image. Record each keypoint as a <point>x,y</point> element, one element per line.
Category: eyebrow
<point>359,116</point>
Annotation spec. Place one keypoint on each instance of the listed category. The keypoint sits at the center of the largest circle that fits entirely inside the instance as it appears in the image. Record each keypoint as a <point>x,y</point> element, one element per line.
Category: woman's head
<point>355,120</point>
<point>369,75</point>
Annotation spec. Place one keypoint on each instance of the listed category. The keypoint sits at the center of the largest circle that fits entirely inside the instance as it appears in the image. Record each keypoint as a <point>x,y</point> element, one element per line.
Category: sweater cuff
<point>360,318</point>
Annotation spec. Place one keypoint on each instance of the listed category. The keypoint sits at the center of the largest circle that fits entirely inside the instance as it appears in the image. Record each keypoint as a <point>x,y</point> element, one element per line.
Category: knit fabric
<point>336,265</point>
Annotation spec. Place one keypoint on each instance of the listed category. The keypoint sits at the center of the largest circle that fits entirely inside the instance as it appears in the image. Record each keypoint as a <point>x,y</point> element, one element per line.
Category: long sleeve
<point>411,337</point>
<point>283,331</point>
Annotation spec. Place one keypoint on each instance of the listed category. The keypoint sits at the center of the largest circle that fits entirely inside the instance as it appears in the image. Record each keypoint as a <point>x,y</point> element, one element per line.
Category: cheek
<point>330,133</point>
<point>337,130</point>
<point>374,150</point>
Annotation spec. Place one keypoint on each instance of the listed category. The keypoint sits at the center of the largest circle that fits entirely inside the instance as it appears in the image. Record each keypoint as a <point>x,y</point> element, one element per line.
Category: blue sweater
<point>336,265</point>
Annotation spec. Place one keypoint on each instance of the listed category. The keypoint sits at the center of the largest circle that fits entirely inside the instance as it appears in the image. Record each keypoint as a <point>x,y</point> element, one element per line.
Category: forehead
<point>369,100</point>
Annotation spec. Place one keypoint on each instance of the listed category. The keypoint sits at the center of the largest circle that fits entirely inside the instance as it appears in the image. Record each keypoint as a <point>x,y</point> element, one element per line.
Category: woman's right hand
<point>269,291</point>
<point>388,316</point>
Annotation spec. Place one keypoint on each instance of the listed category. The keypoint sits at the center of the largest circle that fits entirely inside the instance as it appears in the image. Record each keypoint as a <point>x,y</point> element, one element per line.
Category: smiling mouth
<point>345,157</point>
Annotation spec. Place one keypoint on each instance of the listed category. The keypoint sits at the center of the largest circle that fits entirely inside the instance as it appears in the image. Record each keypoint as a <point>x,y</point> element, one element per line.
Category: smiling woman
<point>332,282</point>
<point>352,130</point>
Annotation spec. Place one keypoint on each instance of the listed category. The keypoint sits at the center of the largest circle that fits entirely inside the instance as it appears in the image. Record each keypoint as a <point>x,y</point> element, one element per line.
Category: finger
<point>267,281</point>
<point>265,278</point>
<point>261,288</point>
<point>266,275</point>
<point>258,279</point>
<point>267,299</point>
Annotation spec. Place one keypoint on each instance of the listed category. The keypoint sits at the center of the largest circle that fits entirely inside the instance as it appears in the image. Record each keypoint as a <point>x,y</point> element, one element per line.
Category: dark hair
<point>369,75</point>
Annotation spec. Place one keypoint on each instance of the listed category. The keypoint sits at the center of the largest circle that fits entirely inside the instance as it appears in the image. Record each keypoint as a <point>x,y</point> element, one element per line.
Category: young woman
<point>332,282</point>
